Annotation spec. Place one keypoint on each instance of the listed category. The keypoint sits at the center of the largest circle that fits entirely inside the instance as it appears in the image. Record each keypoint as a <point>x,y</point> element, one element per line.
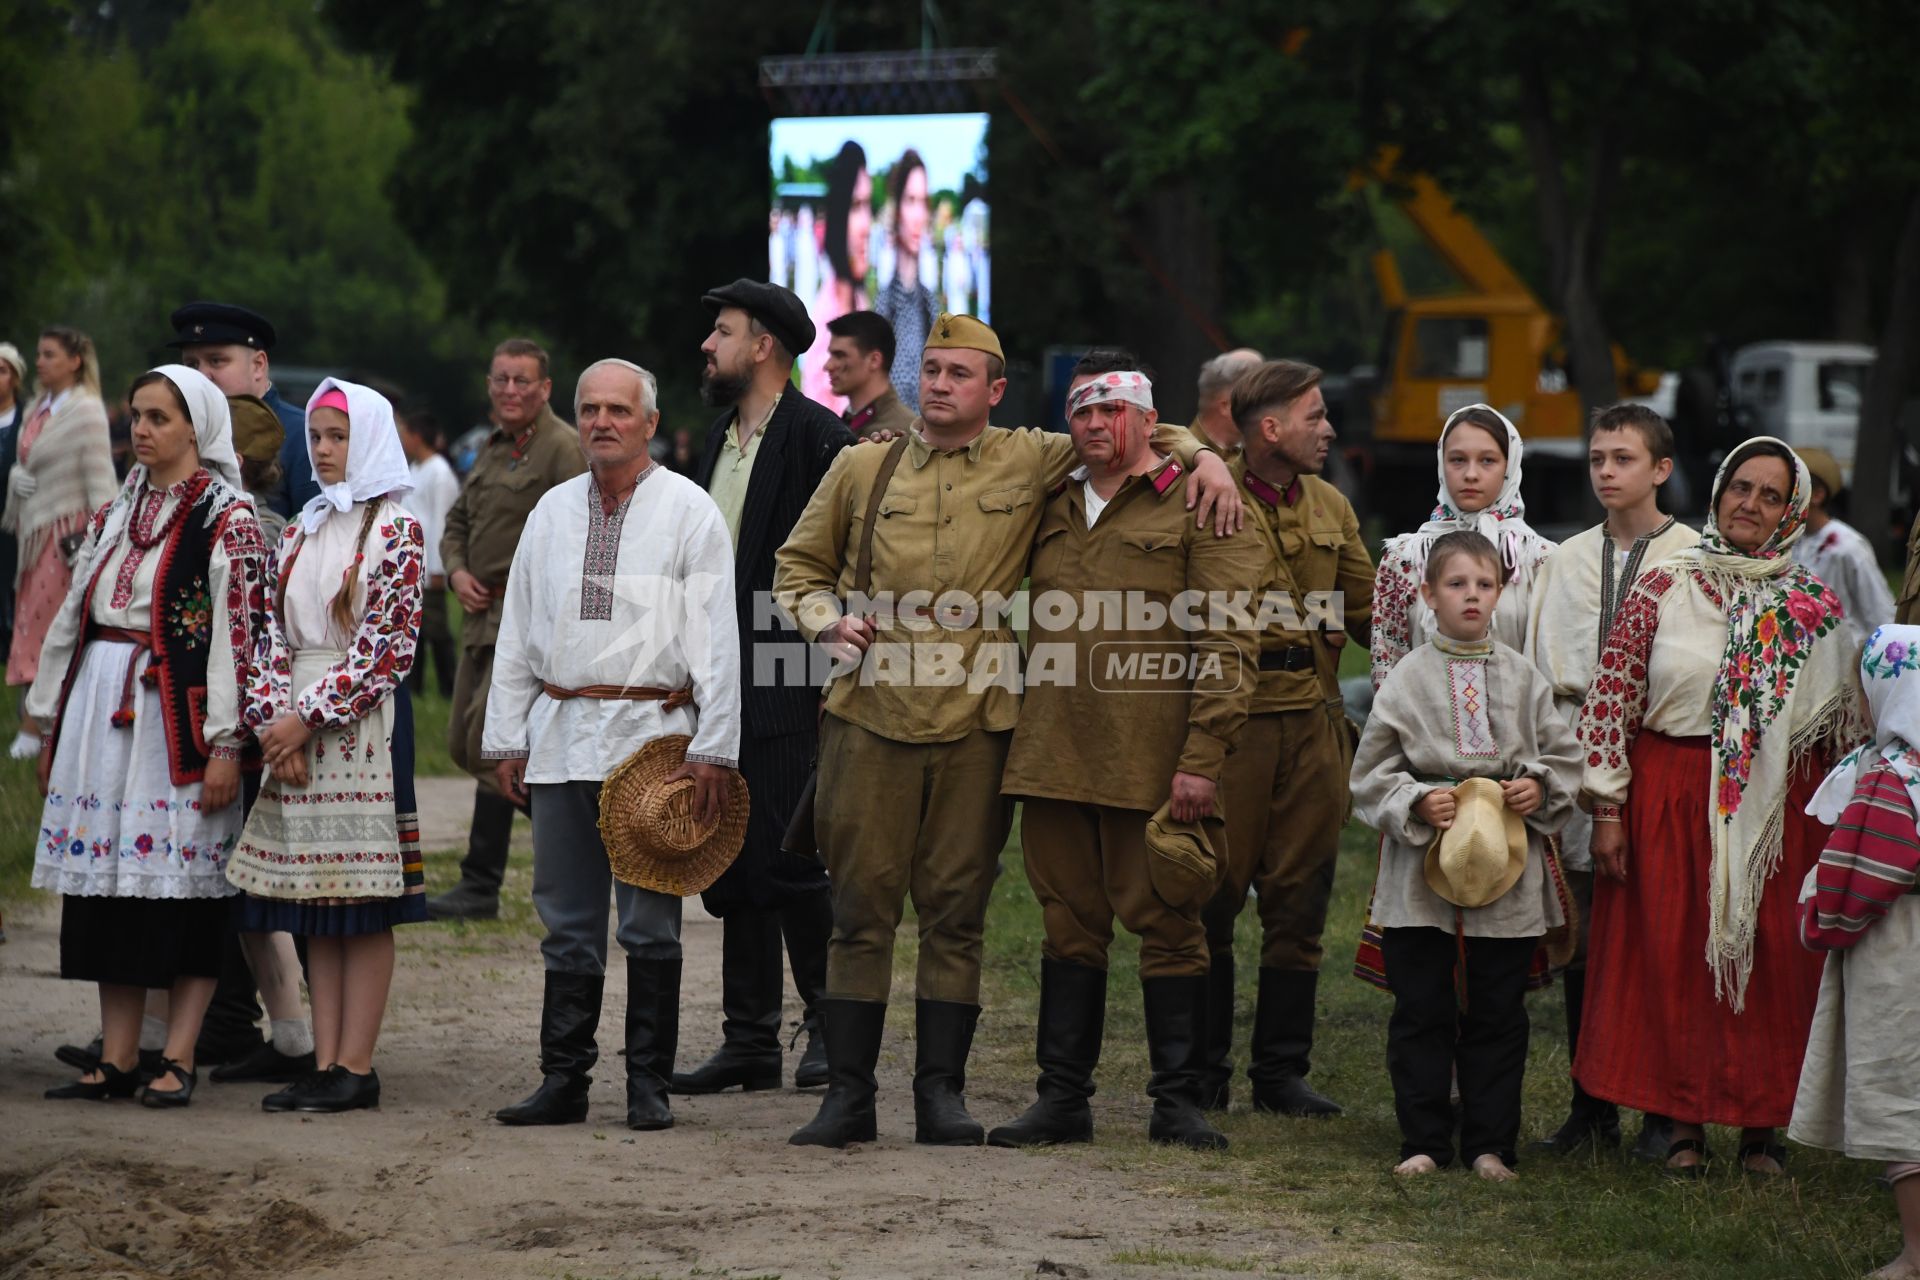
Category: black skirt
<point>141,942</point>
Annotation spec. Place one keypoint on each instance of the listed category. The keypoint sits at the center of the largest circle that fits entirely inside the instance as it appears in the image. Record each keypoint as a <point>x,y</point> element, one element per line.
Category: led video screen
<point>880,213</point>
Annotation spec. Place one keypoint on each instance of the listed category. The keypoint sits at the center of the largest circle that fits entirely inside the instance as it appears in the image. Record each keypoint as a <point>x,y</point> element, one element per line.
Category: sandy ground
<point>430,1186</point>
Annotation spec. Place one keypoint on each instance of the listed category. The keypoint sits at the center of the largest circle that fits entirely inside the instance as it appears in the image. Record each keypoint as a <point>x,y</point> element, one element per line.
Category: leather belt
<point>668,698</point>
<point>1297,658</point>
<point>142,643</point>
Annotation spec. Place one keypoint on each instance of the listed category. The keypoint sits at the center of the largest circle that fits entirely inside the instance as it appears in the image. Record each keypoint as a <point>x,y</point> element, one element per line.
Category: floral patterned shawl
<point>1781,627</point>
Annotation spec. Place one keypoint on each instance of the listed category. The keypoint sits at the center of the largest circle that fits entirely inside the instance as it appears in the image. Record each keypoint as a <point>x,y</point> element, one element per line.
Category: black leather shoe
<point>1292,1096</point>
<point>151,1097</point>
<point>80,1058</point>
<point>569,1015</point>
<point>1216,1090</point>
<point>1589,1121</point>
<point>464,902</point>
<point>266,1065</point>
<point>117,1084</point>
<point>338,1089</point>
<point>1176,1046</point>
<point>1656,1136</point>
<point>748,1058</point>
<point>288,1098</point>
<point>1073,1013</point>
<point>212,1051</point>
<point>853,1029</point>
<point>806,922</point>
<point>943,1035</point>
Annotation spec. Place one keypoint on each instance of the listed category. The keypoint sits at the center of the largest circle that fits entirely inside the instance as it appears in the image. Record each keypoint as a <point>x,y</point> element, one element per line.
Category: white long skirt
<point>114,824</point>
<point>1860,1084</point>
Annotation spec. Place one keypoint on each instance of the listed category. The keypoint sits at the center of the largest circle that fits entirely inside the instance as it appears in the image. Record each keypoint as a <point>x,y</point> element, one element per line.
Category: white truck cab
<point>1806,393</point>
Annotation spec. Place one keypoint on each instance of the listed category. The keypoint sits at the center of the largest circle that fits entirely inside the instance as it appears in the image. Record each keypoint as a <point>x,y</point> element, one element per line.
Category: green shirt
<point>734,470</point>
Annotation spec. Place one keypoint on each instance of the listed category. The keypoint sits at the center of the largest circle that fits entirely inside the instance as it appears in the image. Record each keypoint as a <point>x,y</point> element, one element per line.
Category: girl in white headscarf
<point>324,853</point>
<point>141,679</point>
<point>1479,463</point>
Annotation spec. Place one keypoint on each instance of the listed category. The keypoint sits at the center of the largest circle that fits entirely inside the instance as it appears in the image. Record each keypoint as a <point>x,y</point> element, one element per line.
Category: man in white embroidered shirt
<point>583,667</point>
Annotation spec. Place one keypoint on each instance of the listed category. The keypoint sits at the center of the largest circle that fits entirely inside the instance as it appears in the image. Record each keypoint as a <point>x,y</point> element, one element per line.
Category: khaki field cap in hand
<point>1183,858</point>
<point>1483,853</point>
<point>653,839</point>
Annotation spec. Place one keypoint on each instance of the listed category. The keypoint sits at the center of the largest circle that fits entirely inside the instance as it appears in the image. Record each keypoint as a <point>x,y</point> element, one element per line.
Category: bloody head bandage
<point>1125,387</point>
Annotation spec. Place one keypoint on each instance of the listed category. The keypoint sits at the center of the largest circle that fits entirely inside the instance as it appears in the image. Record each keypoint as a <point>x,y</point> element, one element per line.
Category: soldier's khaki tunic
<point>483,529</point>
<point>1286,782</point>
<point>908,799</point>
<point>1120,708</point>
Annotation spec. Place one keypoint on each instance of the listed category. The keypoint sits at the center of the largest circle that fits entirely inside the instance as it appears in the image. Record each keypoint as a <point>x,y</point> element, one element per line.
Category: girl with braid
<point>331,849</point>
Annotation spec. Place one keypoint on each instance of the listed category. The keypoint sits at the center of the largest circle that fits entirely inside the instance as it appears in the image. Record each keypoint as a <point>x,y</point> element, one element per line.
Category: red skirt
<point>1654,1037</point>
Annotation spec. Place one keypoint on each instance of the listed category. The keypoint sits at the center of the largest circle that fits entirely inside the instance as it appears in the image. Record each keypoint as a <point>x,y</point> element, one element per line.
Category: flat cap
<point>775,306</point>
<point>965,333</point>
<point>257,430</point>
<point>220,324</point>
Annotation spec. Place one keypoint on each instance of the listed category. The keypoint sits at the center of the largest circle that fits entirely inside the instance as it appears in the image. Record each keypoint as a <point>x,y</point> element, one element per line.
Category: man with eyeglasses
<point>529,452</point>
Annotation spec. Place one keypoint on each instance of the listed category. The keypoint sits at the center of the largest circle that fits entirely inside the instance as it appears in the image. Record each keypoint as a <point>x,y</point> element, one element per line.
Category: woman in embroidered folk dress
<point>63,474</point>
<point>142,678</point>
<point>324,854</point>
<point>1479,463</point>
<point>1719,695</point>
<point>1861,905</point>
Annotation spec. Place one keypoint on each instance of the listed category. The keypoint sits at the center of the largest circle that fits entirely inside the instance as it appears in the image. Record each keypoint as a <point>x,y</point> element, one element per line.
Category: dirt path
<point>430,1186</point>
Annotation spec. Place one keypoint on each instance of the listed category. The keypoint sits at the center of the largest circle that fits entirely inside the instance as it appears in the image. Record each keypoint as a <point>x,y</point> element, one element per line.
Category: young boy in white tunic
<point>1462,706</point>
<point>1575,596</point>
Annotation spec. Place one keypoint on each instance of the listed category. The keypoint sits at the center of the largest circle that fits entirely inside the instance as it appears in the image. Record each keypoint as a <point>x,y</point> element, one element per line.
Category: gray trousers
<point>570,882</point>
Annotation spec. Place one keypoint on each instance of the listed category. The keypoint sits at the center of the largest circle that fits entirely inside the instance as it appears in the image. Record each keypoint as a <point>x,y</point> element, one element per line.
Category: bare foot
<point>1904,1267</point>
<point>1415,1164</point>
<point>1494,1169</point>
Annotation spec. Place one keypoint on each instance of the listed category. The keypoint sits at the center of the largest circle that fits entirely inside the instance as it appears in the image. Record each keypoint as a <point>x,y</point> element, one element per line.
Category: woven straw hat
<point>653,840</point>
<point>1483,853</point>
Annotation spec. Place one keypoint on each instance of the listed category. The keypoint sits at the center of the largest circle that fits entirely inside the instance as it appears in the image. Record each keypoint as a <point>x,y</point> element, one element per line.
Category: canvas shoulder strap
<point>863,564</point>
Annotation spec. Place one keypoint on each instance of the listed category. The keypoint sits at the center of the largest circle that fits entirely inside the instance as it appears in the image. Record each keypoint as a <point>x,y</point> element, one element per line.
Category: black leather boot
<point>1216,1089</point>
<point>1073,1017</point>
<point>653,1030</point>
<point>1177,1048</point>
<point>1588,1119</point>
<point>853,1029</point>
<point>807,922</point>
<point>569,1015</point>
<point>943,1037</point>
<point>477,896</point>
<point>748,1058</point>
<point>1282,1044</point>
<point>1656,1137</point>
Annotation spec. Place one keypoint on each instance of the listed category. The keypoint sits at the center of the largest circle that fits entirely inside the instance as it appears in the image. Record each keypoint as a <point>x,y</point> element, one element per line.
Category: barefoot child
<point>323,852</point>
<point>1575,596</point>
<point>1462,708</point>
<point>1860,905</point>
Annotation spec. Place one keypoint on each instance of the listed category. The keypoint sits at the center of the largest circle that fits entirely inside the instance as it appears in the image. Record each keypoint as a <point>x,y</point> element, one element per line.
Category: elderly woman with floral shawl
<point>1720,694</point>
<point>1861,906</point>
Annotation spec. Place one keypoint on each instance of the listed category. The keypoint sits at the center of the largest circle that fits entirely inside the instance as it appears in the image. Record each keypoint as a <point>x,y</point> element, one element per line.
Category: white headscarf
<point>1890,674</point>
<point>1503,522</point>
<point>376,464</point>
<point>212,437</point>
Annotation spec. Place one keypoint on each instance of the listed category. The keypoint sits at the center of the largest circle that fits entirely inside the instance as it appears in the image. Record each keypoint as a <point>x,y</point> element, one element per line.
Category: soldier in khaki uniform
<point>1140,716</point>
<point>908,797</point>
<point>1286,782</point>
<point>530,451</point>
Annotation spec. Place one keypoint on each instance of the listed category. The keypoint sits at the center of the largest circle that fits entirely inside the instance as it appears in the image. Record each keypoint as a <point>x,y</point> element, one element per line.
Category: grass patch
<point>1180,1260</point>
<point>1594,1218</point>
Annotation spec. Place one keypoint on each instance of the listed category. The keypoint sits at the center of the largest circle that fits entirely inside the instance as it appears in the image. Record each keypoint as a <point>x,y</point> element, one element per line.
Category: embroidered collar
<point>1606,529</point>
<point>1464,648</point>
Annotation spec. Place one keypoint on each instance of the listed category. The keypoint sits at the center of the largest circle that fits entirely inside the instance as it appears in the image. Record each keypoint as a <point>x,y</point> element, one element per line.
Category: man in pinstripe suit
<point>764,457</point>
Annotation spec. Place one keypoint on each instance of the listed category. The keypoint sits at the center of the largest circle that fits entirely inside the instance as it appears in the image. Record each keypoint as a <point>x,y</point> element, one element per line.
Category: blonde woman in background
<point>62,475</point>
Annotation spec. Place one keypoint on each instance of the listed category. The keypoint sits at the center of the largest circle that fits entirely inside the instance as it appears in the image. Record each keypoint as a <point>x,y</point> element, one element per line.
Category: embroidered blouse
<point>307,571</point>
<point>1843,558</point>
<point>123,598</point>
<point>1449,712</point>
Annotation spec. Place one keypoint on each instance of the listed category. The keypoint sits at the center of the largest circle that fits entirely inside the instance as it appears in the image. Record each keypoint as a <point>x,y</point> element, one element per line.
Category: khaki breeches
<point>1088,864</point>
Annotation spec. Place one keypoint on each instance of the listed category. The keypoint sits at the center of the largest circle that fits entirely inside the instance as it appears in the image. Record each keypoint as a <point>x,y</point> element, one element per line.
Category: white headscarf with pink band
<point>1128,386</point>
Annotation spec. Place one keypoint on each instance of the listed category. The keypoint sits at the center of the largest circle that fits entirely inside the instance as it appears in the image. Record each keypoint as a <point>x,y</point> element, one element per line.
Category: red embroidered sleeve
<point>381,652</point>
<point>244,603</point>
<point>1393,592</point>
<point>1616,700</point>
<point>270,674</point>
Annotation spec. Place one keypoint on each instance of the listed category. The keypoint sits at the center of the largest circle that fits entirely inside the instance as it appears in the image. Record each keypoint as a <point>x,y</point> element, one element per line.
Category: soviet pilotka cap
<point>965,333</point>
<point>774,306</point>
<point>220,324</point>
